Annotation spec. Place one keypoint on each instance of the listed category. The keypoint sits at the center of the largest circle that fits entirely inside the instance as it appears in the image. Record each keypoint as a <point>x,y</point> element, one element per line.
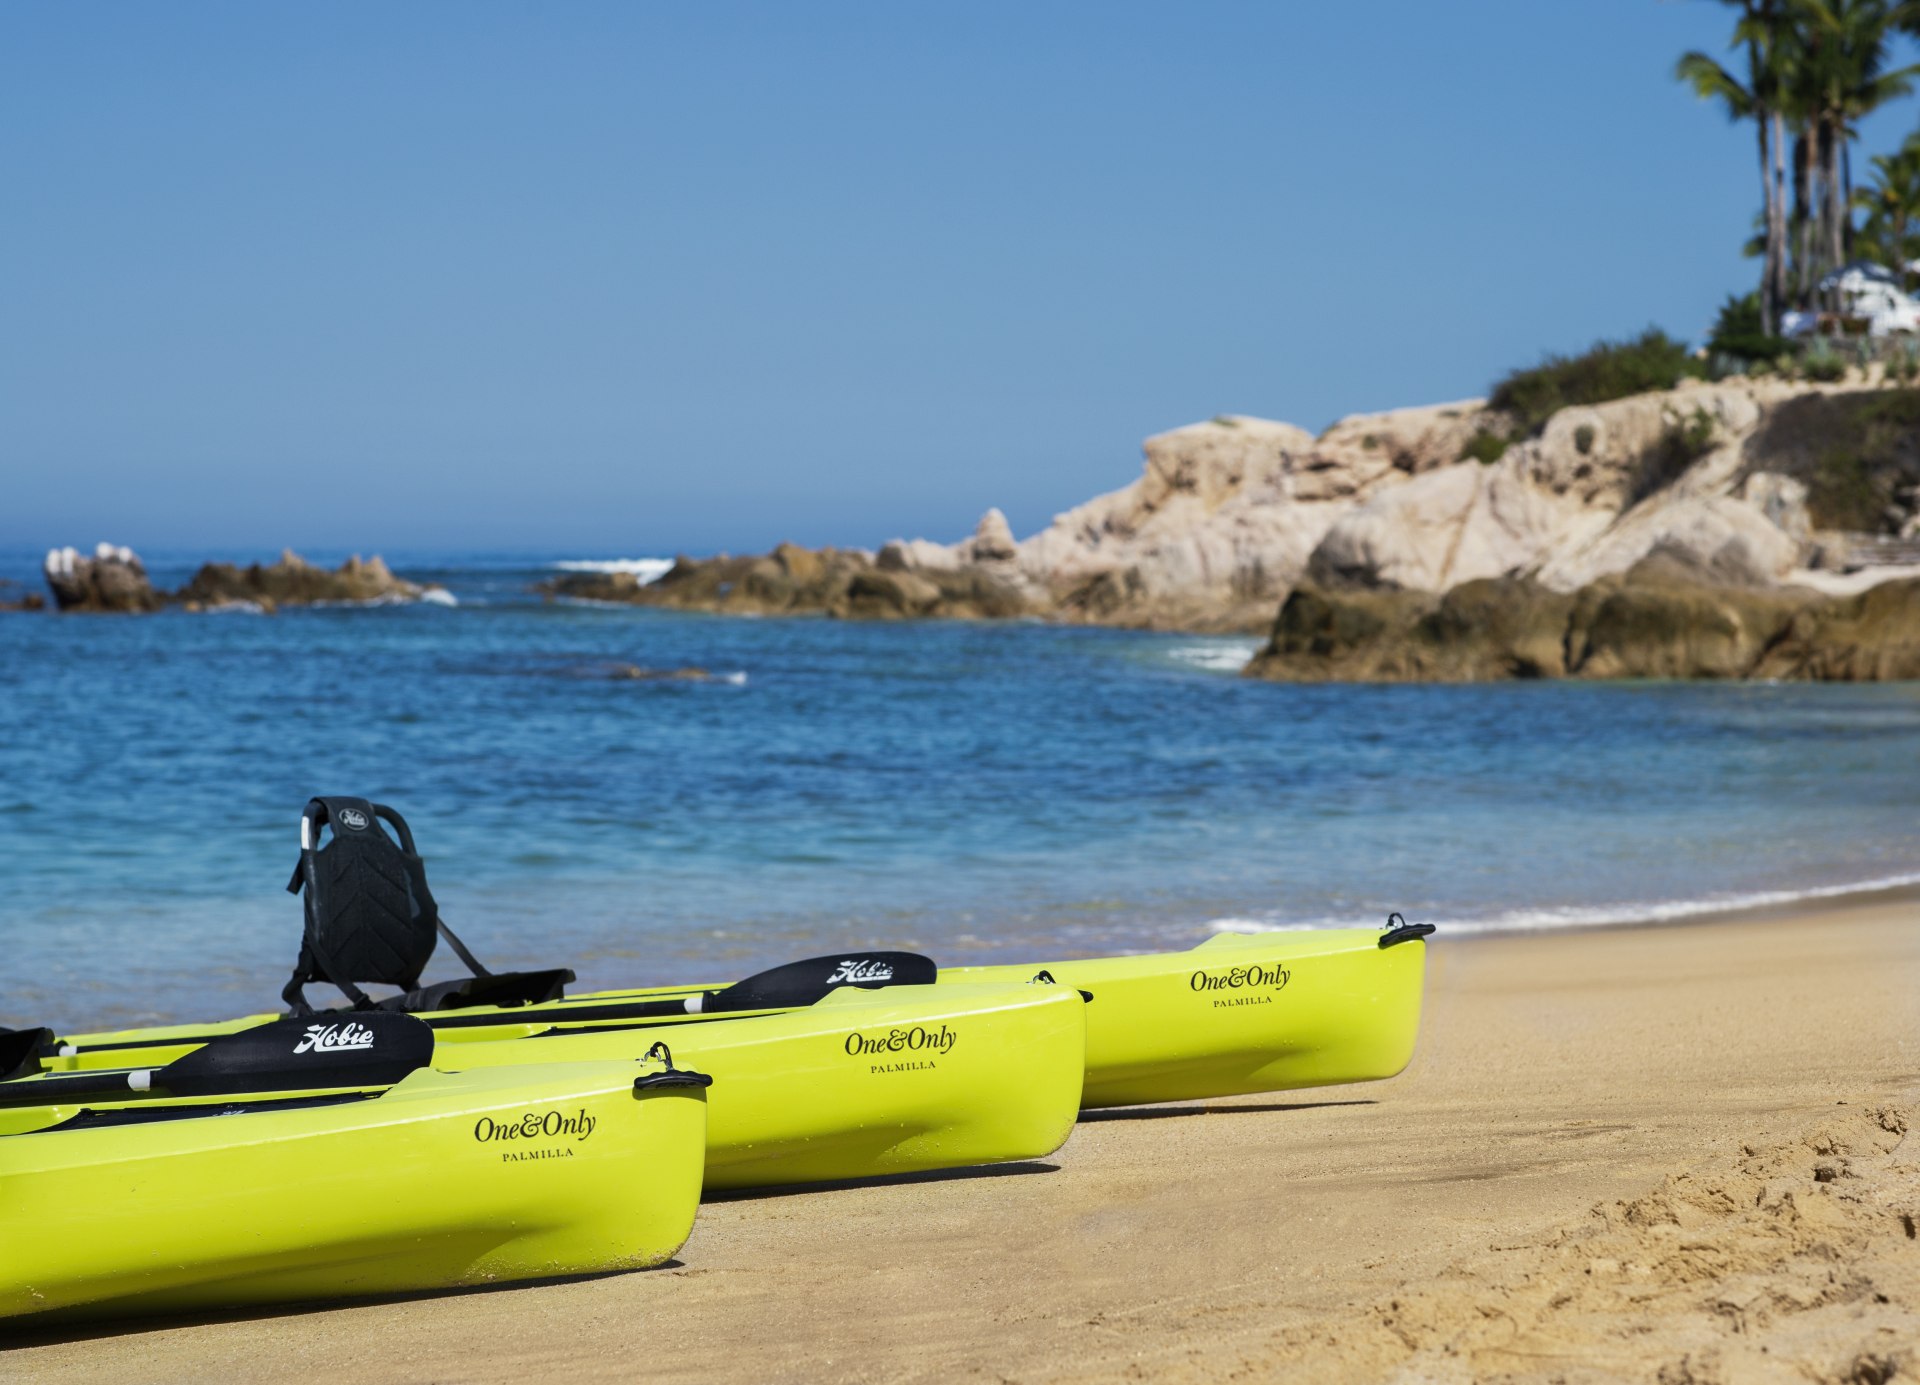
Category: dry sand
<point>1667,1154</point>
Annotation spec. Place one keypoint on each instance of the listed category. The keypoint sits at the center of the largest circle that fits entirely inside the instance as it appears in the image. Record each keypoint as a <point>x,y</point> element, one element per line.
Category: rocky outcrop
<point>1227,514</point>
<point>1747,483</point>
<point>1663,618</point>
<point>1751,480</point>
<point>24,601</point>
<point>1210,537</point>
<point>1873,635</point>
<point>295,582</point>
<point>113,579</point>
<point>793,580</point>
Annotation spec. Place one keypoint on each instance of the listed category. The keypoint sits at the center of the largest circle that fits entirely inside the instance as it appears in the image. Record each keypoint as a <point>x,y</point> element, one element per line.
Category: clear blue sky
<point>631,278</point>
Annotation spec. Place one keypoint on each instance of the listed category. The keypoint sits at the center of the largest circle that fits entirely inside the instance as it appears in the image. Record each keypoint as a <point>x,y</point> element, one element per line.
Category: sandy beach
<point>1669,1153</point>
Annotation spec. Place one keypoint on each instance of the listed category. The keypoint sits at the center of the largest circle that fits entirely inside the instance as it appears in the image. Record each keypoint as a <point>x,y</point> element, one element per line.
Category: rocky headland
<point>1446,541</point>
<point>1662,618</point>
<point>114,579</point>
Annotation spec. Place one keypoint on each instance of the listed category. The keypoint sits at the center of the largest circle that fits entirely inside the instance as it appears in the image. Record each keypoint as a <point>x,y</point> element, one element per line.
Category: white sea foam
<point>646,569</point>
<point>1588,916</point>
<point>1220,656</point>
<point>592,601</point>
<point>235,608</point>
<point>432,596</point>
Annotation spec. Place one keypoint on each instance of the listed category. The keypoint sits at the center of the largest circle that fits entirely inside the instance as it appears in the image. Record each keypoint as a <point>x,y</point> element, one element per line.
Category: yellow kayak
<point>437,1180</point>
<point>860,1084</point>
<point>1263,1012</point>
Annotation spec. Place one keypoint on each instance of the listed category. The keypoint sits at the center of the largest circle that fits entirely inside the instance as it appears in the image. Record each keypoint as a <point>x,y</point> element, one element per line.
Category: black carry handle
<point>297,1053</point>
<point>1400,931</point>
<point>671,1077</point>
<point>1043,977</point>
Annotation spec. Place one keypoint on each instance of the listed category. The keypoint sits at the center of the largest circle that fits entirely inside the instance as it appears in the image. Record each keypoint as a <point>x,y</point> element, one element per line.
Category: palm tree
<point>1838,75</point>
<point>1892,206</point>
<point>1761,30</point>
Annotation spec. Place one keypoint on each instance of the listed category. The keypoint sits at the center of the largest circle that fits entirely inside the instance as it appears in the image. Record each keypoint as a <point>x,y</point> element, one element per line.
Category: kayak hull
<point>1241,1013</point>
<point>442,1181</point>
<point>865,1083</point>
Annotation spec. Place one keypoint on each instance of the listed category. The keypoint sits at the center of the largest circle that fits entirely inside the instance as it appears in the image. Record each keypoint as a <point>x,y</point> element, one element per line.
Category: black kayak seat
<point>371,920</point>
<point>20,1051</point>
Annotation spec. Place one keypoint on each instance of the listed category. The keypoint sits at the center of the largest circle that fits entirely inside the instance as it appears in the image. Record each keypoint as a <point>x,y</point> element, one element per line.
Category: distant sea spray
<point>646,569</point>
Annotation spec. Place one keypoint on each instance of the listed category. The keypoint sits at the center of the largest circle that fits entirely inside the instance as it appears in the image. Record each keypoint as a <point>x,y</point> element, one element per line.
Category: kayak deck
<point>860,1084</point>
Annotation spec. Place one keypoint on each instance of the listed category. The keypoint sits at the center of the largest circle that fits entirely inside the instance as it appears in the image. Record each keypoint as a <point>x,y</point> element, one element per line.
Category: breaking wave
<point>1586,915</point>
<point>646,569</point>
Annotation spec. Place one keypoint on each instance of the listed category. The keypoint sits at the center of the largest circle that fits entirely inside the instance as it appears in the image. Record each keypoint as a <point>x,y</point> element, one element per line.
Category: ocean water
<point>980,792</point>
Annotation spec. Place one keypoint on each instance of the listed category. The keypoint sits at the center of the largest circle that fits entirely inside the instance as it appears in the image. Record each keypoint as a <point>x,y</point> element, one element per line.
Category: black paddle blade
<point>367,1048</point>
<point>802,983</point>
<point>20,1051</point>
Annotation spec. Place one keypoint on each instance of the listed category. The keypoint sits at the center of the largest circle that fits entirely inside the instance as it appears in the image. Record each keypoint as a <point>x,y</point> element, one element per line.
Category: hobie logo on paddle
<point>333,1038</point>
<point>851,973</point>
<point>353,818</point>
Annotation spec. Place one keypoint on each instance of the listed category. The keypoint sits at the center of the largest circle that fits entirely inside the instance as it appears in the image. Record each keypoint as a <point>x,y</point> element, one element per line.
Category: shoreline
<point>1787,905</point>
<point>1495,1210</point>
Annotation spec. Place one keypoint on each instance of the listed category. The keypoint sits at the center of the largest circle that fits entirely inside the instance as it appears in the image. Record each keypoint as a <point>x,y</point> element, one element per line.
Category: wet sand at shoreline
<point>1439,1223</point>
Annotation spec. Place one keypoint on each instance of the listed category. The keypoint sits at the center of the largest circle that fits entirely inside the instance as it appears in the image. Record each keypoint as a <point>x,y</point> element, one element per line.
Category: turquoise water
<point>977,791</point>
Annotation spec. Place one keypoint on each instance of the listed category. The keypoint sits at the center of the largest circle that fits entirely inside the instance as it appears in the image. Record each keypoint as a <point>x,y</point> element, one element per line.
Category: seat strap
<point>453,941</point>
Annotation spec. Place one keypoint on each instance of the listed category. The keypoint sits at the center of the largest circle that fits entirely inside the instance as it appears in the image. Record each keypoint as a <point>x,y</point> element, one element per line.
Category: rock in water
<point>1872,636</point>
<point>293,581</point>
<point>113,579</point>
<point>792,580</point>
<point>1661,619</point>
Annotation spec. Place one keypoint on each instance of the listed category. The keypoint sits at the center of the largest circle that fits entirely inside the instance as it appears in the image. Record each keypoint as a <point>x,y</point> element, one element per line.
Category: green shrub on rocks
<point>1864,466</point>
<point>1485,448</point>
<point>1823,363</point>
<point>1685,441</point>
<point>1610,370</point>
<point>1858,454</point>
<point>1737,334</point>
